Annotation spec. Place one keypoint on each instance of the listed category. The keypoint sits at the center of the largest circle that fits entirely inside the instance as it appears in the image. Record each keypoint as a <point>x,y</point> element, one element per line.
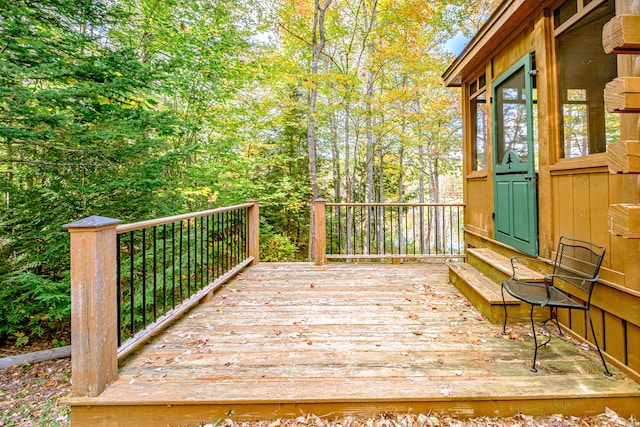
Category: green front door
<point>516,212</point>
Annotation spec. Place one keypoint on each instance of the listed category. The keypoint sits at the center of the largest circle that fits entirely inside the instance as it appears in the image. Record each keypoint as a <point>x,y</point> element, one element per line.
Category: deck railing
<point>388,231</point>
<point>130,280</point>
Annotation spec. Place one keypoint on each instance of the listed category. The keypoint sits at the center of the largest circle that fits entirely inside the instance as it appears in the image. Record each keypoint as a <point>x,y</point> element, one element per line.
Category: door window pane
<point>512,118</point>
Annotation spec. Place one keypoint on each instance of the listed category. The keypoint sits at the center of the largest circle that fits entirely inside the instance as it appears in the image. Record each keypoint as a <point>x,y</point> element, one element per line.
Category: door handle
<point>528,178</point>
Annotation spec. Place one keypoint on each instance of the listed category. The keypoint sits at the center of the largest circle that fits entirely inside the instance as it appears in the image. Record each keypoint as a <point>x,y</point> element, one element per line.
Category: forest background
<point>139,109</point>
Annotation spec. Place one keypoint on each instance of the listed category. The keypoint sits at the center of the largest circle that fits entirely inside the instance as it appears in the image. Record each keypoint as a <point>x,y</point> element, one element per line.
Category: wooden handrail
<point>396,204</point>
<point>123,228</point>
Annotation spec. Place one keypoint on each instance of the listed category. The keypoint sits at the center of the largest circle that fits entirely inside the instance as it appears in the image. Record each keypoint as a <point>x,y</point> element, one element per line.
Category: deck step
<point>498,267</point>
<point>482,291</point>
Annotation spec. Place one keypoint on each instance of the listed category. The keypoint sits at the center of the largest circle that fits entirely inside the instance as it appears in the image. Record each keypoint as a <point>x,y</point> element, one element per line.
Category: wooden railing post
<point>253,231</point>
<point>94,335</point>
<point>320,229</point>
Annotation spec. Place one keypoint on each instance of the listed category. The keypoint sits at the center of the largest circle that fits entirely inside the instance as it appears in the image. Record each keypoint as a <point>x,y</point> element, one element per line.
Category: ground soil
<point>32,395</point>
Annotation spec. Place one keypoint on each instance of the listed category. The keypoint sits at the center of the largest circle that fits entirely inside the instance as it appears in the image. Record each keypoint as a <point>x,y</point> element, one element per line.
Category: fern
<point>37,303</point>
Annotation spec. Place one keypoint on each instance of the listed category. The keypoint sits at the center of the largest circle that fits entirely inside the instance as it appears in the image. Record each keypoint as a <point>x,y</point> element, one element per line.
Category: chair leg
<point>595,340</point>
<point>554,316</point>
<point>504,305</point>
<point>535,341</point>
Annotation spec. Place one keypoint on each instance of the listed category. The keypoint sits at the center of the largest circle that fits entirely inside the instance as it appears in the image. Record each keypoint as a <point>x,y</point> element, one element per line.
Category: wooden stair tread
<point>482,284</point>
<point>503,264</point>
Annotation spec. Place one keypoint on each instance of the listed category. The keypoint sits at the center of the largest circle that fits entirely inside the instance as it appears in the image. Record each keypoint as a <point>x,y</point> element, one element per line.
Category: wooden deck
<point>286,339</point>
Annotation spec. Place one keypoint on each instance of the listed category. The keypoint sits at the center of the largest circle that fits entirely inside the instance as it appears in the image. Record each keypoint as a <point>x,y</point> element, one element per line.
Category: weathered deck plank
<point>283,339</point>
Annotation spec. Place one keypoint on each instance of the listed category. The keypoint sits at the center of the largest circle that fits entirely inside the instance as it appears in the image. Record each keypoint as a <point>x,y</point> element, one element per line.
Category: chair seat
<point>536,294</point>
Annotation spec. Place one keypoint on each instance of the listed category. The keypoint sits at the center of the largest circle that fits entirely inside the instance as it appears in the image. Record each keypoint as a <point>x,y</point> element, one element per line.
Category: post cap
<point>93,221</point>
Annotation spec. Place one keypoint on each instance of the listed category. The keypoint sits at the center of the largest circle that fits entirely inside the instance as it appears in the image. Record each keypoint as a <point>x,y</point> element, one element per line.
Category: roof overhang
<point>505,21</point>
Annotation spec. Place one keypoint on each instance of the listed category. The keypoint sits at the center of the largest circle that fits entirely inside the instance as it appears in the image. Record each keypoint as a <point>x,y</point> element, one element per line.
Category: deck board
<point>283,339</point>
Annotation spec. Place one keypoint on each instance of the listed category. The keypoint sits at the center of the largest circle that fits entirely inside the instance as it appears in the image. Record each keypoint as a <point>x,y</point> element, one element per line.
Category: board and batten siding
<point>573,194</point>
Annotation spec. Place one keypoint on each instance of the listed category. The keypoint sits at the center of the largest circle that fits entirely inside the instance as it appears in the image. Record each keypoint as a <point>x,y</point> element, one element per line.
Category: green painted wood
<point>515,198</point>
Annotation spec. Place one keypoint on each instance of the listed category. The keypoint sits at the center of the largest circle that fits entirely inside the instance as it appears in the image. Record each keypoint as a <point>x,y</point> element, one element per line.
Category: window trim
<point>583,11</point>
<point>480,83</point>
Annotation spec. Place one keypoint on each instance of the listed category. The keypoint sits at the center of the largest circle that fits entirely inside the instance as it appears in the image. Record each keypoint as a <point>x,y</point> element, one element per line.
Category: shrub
<point>277,248</point>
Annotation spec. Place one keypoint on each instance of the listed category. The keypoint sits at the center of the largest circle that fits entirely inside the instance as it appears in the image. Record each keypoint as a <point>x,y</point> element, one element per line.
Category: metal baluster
<point>144,278</point>
<point>131,286</point>
<point>331,224</point>
<point>119,289</point>
<point>164,268</point>
<point>180,262</point>
<point>339,209</point>
<point>173,265</point>
<point>188,259</point>
<point>207,251</point>
<point>155,273</point>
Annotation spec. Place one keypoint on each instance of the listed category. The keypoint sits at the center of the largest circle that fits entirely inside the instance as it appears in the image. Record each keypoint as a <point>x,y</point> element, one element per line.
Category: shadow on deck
<point>282,340</point>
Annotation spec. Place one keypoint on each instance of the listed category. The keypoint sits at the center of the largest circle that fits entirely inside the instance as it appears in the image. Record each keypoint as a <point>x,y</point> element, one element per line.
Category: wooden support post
<point>94,335</point>
<point>253,231</point>
<point>320,205</point>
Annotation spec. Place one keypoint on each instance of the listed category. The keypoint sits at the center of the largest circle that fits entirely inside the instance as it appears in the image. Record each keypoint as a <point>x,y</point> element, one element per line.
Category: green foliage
<point>144,108</point>
<point>57,343</point>
<point>277,248</point>
<point>37,304</point>
<point>90,124</point>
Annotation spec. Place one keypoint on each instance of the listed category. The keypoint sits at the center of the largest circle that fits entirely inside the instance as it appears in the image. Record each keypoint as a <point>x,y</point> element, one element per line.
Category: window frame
<point>477,88</point>
<point>594,146</point>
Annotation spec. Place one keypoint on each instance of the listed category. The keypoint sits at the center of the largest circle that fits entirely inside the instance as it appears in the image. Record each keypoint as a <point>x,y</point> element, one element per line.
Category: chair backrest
<point>580,259</point>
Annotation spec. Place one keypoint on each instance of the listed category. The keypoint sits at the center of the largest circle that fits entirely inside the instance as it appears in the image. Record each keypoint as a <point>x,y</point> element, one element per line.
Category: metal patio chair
<point>570,285</point>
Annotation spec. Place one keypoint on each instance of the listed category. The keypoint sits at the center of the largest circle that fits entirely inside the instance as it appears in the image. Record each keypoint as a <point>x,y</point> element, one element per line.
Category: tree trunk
<point>347,175</point>
<point>318,46</point>
<point>423,241</point>
<point>369,136</point>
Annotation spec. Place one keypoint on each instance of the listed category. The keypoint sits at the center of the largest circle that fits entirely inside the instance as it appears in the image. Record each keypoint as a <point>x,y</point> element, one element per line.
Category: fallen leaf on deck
<point>446,392</point>
<point>416,332</point>
<point>412,316</point>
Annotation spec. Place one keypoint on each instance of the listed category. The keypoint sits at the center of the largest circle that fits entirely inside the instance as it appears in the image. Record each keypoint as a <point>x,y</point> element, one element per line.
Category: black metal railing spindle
<point>160,269</point>
<point>131,285</point>
<point>119,290</point>
<point>404,230</point>
<point>143,312</point>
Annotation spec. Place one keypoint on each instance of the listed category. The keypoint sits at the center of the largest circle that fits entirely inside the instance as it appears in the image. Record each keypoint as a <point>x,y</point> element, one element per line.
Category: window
<point>583,71</point>
<point>478,124</point>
